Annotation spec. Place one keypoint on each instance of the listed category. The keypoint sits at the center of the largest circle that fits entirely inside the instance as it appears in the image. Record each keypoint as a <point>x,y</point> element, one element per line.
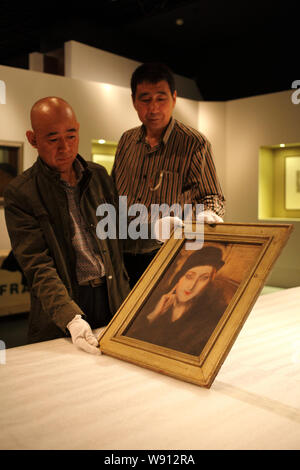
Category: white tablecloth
<point>53,396</point>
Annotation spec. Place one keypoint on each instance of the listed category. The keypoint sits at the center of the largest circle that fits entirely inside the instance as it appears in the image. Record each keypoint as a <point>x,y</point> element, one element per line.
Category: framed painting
<point>11,163</point>
<point>292,183</point>
<point>183,316</point>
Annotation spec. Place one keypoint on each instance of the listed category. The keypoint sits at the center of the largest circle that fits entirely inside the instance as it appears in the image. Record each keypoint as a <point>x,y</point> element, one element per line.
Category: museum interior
<point>241,92</point>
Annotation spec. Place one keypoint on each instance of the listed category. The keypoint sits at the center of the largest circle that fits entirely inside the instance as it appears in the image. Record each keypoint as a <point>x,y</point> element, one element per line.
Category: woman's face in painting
<point>193,282</point>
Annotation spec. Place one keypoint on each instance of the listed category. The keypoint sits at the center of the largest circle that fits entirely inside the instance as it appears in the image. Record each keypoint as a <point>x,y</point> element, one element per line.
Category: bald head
<point>54,132</point>
<point>48,109</point>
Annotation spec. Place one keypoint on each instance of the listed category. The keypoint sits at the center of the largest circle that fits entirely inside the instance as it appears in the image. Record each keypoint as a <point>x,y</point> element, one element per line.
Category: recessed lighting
<point>101,141</point>
<point>282,145</point>
<point>106,86</point>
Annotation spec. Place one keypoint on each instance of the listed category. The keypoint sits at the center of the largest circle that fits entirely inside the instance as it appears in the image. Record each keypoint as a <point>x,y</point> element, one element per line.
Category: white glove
<point>209,217</point>
<point>163,227</point>
<point>82,335</point>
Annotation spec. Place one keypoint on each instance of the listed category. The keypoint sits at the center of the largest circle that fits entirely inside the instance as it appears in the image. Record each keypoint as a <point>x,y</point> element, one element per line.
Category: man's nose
<point>62,144</point>
<point>153,106</point>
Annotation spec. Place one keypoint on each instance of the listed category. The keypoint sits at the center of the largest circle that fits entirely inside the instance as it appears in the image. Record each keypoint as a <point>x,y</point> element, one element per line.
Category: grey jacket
<point>38,223</point>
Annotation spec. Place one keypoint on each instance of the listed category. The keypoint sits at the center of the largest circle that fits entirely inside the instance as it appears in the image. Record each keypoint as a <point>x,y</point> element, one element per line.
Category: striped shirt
<point>88,261</point>
<point>180,169</point>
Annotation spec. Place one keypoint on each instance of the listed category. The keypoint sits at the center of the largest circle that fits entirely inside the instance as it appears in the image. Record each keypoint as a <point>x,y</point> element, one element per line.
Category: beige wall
<point>211,122</point>
<point>88,63</point>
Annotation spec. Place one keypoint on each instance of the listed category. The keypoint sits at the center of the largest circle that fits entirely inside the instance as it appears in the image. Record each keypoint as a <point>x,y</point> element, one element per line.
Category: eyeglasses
<point>161,175</point>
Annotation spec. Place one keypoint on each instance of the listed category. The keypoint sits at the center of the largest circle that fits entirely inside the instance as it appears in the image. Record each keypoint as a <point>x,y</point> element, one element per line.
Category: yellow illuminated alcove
<point>276,185</point>
<point>103,152</point>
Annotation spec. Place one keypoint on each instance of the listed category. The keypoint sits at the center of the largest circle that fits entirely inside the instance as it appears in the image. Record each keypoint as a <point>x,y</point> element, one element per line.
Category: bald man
<point>77,281</point>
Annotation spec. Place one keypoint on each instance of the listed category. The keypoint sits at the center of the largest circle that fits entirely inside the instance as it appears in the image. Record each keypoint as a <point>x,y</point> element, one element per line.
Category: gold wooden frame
<point>201,369</point>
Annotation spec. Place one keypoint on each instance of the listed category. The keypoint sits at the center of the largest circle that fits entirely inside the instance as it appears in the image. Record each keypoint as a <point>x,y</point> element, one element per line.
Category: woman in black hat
<point>185,317</point>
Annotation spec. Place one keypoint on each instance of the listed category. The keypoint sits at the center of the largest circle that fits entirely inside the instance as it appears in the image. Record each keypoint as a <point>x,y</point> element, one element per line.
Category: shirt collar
<point>78,165</point>
<point>141,134</point>
<point>168,130</point>
<point>78,168</point>
<point>79,171</point>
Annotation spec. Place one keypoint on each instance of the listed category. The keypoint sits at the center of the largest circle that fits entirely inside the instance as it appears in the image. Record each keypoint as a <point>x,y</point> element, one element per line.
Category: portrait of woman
<point>185,316</point>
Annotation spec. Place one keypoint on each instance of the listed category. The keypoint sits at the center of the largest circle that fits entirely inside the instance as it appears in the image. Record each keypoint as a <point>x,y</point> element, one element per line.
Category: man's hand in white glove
<point>82,335</point>
<point>209,217</point>
<point>164,226</point>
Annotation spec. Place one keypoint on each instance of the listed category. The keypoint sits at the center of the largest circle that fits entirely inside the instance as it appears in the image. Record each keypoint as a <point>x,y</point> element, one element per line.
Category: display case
<point>279,182</point>
<point>103,152</point>
<point>11,163</point>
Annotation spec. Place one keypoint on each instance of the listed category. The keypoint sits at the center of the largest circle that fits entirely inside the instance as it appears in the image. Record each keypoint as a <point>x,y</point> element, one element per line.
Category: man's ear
<point>133,101</point>
<point>31,138</point>
<point>174,96</point>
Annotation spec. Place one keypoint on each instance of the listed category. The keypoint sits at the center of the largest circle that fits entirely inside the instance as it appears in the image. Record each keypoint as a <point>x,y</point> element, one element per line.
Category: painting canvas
<point>192,296</point>
<point>292,183</point>
<point>185,313</point>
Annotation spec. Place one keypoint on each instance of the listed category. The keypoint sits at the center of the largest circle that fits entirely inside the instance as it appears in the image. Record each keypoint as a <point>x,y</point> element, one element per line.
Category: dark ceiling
<point>231,49</point>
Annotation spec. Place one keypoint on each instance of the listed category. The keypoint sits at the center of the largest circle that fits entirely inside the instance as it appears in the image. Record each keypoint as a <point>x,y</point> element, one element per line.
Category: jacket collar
<point>81,164</point>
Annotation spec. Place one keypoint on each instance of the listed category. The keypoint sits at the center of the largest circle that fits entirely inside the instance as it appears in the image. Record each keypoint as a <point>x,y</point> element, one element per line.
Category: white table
<point>53,396</point>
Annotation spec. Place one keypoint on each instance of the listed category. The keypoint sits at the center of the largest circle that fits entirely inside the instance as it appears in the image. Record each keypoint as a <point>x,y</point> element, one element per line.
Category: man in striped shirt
<point>163,161</point>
